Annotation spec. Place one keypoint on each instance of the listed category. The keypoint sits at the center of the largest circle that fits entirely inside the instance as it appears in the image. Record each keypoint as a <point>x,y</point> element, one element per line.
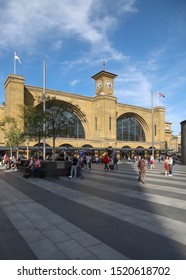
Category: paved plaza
<point>107,215</point>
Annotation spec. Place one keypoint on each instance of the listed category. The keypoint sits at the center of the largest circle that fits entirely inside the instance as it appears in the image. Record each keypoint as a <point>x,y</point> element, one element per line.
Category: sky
<point>142,41</point>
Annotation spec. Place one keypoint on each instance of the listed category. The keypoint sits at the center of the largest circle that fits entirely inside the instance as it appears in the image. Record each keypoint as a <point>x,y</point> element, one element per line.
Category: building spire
<point>104,65</point>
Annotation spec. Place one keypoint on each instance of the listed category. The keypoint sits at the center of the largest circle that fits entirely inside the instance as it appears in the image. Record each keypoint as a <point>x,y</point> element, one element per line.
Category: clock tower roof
<point>104,73</point>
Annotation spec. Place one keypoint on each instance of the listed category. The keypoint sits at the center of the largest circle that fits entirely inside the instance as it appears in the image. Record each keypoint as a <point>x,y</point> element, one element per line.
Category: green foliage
<point>34,118</point>
<point>13,133</point>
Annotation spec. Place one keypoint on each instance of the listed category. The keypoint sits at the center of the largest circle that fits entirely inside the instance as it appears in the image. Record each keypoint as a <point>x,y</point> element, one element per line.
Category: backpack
<point>115,160</point>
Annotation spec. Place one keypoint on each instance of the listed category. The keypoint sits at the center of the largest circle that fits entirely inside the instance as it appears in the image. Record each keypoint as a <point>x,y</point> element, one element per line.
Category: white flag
<point>161,94</point>
<point>17,57</point>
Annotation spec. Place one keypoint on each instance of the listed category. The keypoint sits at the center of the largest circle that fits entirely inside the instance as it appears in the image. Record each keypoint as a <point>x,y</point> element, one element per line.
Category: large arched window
<point>61,121</point>
<point>129,129</point>
<point>69,126</point>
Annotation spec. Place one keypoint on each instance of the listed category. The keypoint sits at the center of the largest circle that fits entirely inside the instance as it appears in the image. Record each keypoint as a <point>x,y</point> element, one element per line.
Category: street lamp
<point>152,109</point>
<point>44,109</point>
<point>27,148</point>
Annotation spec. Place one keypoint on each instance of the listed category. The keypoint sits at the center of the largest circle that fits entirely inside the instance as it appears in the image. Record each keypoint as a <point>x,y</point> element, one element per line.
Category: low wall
<point>55,168</point>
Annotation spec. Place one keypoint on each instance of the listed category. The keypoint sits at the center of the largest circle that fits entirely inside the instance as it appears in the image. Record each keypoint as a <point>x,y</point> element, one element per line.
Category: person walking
<point>142,169</point>
<point>166,166</point>
<point>88,161</point>
<point>115,161</point>
<point>74,166</point>
<point>151,162</point>
<point>170,165</point>
<point>106,161</point>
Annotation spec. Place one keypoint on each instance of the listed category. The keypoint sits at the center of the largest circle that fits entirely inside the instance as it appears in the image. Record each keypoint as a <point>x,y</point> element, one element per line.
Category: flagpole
<point>152,109</point>
<point>157,99</point>
<point>14,63</point>
<point>44,109</point>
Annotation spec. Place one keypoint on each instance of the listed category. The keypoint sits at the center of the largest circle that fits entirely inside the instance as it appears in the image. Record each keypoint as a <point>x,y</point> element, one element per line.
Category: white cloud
<point>74,82</point>
<point>182,78</point>
<point>126,6</point>
<point>27,24</point>
<point>133,86</point>
<point>175,116</point>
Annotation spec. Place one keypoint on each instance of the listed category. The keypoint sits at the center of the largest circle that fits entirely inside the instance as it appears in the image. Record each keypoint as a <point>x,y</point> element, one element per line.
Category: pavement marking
<point>156,223</point>
<point>48,235</point>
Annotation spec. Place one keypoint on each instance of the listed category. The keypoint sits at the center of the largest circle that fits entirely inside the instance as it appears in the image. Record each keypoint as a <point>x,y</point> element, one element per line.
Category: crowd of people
<point>86,161</point>
<point>8,162</point>
<point>111,162</point>
<point>33,165</point>
<point>168,166</point>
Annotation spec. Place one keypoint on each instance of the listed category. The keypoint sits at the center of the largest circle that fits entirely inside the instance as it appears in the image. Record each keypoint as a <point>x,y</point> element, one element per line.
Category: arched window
<point>129,129</point>
<point>166,145</point>
<point>87,146</point>
<point>63,122</point>
<point>66,145</point>
<point>110,123</point>
<point>96,123</point>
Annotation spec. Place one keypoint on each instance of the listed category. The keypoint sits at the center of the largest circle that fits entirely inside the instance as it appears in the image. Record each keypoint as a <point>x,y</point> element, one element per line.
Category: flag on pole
<point>17,57</point>
<point>161,94</point>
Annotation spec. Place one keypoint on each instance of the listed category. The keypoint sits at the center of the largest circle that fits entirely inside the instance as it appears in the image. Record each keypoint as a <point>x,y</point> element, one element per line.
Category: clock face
<point>108,84</point>
<point>99,84</point>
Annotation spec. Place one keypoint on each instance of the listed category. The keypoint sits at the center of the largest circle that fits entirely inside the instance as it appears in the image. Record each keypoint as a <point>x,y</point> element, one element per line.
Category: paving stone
<point>84,238</point>
<point>105,216</point>
<point>74,251</point>
<point>68,228</point>
<point>22,224</point>
<point>104,252</point>
<point>31,234</point>
<point>45,250</point>
<point>56,235</point>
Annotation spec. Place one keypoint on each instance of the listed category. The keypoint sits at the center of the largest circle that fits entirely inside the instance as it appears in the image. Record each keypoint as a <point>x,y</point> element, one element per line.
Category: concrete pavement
<point>107,215</point>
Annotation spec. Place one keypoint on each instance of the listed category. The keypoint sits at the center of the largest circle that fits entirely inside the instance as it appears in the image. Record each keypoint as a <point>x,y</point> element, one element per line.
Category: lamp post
<point>27,148</point>
<point>44,109</point>
<point>152,109</point>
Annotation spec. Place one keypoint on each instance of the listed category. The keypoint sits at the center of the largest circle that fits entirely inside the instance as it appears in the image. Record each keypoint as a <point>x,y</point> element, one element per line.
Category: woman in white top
<point>170,166</point>
<point>166,166</point>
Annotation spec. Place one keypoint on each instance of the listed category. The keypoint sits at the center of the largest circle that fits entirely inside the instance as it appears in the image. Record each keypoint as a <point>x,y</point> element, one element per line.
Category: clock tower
<point>104,83</point>
<point>104,106</point>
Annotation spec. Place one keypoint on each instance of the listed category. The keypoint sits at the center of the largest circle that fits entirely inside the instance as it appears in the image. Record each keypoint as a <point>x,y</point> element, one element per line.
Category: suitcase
<point>68,171</point>
<point>41,173</point>
<point>111,166</point>
<point>26,174</point>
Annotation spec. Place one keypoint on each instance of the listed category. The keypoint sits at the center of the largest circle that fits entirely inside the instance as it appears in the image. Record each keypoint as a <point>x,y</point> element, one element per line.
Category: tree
<point>34,118</point>
<point>55,119</point>
<point>14,134</point>
<point>58,120</point>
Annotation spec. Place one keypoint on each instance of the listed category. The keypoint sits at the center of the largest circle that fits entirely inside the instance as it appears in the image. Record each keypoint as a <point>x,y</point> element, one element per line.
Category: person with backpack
<point>106,161</point>
<point>115,161</point>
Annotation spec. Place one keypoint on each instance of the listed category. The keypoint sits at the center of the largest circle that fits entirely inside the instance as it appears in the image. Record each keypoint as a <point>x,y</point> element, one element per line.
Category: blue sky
<point>143,42</point>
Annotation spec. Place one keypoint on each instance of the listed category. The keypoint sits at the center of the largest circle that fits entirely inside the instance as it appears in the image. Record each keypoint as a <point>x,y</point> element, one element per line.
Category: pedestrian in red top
<point>106,161</point>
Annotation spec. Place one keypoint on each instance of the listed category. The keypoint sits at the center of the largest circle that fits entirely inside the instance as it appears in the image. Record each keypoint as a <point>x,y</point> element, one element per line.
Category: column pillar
<point>183,142</point>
